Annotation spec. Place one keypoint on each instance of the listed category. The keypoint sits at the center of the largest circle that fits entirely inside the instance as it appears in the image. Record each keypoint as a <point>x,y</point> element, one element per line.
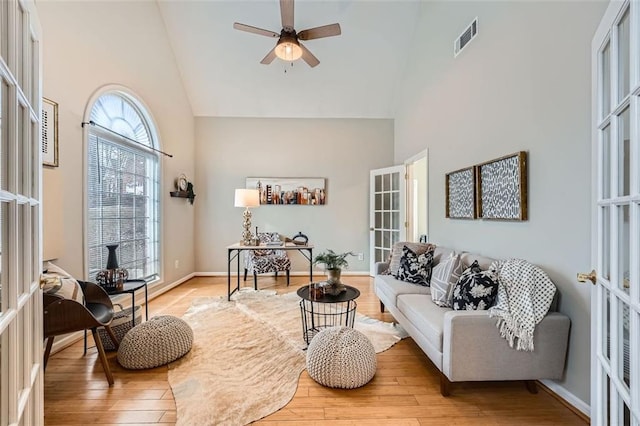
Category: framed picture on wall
<point>289,191</point>
<point>49,133</point>
<point>460,190</point>
<point>502,188</point>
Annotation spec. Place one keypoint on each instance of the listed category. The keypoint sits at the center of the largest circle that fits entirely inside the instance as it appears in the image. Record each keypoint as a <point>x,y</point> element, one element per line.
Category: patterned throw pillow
<point>444,277</point>
<point>396,253</point>
<point>415,268</point>
<point>58,281</point>
<point>476,289</point>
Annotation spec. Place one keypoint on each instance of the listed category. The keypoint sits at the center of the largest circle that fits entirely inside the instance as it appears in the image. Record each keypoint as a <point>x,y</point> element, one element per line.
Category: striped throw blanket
<point>525,293</point>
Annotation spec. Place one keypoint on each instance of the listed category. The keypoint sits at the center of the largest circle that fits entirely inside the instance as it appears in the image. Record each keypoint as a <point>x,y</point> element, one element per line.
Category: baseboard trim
<point>566,398</point>
<point>125,300</point>
<point>292,273</point>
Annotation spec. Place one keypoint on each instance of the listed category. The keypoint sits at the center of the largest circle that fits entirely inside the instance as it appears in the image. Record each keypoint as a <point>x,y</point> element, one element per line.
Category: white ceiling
<point>358,73</point>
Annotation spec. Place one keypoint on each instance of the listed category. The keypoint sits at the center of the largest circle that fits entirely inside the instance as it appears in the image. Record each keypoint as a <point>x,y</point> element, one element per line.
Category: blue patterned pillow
<point>476,290</point>
<point>414,268</point>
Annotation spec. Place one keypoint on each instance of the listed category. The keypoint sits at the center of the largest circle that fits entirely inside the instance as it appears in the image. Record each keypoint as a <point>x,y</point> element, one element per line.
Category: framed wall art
<point>289,191</point>
<point>460,190</point>
<point>49,133</point>
<point>502,188</point>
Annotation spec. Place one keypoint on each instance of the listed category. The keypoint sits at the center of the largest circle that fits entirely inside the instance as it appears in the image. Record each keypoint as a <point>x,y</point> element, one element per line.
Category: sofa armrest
<point>380,267</point>
<point>473,349</point>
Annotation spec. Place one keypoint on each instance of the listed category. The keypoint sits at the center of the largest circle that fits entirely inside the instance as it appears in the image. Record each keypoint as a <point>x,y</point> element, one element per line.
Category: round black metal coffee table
<point>320,311</point>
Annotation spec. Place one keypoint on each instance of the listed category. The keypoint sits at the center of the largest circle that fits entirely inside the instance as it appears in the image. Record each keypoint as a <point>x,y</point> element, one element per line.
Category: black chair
<point>62,316</point>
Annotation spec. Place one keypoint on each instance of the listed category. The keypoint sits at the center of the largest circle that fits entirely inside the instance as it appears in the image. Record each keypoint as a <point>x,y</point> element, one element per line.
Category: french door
<point>615,311</point>
<point>21,390</point>
<point>387,212</point>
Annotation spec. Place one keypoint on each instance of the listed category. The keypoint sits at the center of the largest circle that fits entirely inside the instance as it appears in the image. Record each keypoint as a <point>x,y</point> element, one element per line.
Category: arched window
<point>123,187</point>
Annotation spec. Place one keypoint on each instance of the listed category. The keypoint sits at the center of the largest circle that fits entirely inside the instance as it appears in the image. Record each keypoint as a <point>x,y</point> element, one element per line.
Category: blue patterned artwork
<point>461,194</point>
<point>502,188</point>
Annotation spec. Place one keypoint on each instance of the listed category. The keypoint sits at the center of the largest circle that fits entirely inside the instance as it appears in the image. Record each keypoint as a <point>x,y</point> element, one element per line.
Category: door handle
<point>371,229</point>
<point>591,276</point>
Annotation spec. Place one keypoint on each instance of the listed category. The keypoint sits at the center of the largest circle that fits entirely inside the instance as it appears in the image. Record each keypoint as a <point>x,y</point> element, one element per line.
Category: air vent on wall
<point>465,38</point>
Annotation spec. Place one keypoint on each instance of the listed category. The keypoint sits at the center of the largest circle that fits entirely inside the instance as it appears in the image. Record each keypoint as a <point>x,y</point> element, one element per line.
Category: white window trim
<point>153,133</point>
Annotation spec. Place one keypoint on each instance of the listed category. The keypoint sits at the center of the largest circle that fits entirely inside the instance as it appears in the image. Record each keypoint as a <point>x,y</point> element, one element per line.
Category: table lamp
<point>247,198</point>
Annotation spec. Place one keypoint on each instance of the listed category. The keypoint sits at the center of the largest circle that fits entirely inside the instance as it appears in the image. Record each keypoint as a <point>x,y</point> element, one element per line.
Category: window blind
<point>123,204</point>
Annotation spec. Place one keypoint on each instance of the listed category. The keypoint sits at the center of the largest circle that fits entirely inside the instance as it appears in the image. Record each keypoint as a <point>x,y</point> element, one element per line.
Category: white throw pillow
<point>444,277</point>
<point>59,282</point>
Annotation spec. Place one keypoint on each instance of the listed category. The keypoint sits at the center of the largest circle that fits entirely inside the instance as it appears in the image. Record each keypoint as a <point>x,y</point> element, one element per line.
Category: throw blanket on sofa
<point>525,293</point>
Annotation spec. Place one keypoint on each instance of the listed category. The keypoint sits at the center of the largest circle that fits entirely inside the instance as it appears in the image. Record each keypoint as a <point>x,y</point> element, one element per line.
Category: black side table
<point>326,310</point>
<point>131,286</point>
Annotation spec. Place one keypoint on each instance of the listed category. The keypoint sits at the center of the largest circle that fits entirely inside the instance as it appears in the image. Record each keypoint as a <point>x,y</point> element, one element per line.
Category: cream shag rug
<point>247,357</point>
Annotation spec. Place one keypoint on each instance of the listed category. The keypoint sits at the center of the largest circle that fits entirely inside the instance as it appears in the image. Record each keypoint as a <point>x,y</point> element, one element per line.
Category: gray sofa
<point>466,345</point>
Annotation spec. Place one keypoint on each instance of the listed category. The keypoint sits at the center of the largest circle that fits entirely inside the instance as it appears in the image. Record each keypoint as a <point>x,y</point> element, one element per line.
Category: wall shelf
<point>180,194</point>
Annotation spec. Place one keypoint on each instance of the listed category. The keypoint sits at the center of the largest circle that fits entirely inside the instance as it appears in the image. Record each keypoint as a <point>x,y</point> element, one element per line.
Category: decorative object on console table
<point>49,142</point>
<point>502,188</point>
<point>460,190</point>
<point>112,276</point>
<point>246,198</point>
<point>184,189</point>
<point>305,191</point>
<point>299,239</point>
<point>333,263</point>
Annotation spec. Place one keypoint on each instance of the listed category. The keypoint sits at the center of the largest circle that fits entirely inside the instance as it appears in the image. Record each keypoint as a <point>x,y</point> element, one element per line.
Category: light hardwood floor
<point>404,391</point>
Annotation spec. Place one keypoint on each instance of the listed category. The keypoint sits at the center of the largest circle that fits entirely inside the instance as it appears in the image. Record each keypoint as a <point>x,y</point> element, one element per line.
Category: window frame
<point>149,123</point>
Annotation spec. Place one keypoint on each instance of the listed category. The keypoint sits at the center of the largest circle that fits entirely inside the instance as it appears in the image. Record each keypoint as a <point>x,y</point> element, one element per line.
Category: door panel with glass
<point>387,212</point>
<point>20,177</point>
<point>615,328</point>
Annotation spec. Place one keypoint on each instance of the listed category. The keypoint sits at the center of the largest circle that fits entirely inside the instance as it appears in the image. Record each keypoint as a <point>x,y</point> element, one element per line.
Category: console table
<point>234,250</point>
<point>325,310</point>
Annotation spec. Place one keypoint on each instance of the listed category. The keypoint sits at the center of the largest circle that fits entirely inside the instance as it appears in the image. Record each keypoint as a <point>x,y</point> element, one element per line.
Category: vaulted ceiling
<point>358,74</point>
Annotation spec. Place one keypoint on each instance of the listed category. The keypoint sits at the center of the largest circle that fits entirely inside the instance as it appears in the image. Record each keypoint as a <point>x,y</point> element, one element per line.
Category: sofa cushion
<point>441,253</point>
<point>444,278</point>
<point>483,261</point>
<point>414,268</point>
<point>476,289</point>
<point>396,253</point>
<point>424,315</point>
<point>390,288</point>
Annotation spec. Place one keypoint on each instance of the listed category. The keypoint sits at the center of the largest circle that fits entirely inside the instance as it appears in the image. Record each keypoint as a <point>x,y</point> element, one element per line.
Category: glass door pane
<point>605,163</point>
<point>623,56</point>
<point>605,81</point>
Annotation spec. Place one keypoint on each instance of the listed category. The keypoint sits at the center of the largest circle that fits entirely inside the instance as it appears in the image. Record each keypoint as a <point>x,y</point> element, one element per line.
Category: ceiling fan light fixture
<point>288,49</point>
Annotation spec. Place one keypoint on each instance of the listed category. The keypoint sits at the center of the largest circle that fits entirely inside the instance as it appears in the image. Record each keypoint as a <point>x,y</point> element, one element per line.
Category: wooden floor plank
<point>404,392</point>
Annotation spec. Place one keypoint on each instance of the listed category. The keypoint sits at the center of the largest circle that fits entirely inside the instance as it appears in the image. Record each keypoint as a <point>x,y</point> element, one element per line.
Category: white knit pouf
<point>341,357</point>
<point>159,341</point>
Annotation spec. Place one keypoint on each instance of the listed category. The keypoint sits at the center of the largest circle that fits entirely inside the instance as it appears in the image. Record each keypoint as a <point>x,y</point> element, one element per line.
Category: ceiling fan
<point>289,47</point>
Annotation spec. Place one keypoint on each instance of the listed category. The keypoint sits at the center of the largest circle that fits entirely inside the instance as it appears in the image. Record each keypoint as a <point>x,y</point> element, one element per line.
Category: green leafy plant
<point>333,260</point>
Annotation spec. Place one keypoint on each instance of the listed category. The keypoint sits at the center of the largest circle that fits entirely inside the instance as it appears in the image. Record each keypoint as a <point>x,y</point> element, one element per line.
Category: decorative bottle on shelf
<point>112,276</point>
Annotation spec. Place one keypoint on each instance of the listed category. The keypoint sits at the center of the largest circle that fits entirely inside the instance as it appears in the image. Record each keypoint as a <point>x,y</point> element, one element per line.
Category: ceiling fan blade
<point>269,58</point>
<point>308,57</point>
<point>254,30</point>
<point>320,32</point>
<point>286,11</point>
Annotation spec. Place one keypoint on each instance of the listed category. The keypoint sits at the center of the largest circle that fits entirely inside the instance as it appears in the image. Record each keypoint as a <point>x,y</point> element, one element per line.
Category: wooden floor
<point>404,391</point>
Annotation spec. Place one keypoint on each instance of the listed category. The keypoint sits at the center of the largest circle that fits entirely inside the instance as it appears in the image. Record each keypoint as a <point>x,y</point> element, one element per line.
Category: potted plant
<point>333,264</point>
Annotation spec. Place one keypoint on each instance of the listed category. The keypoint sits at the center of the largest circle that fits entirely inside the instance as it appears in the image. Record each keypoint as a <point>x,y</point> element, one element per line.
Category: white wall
<point>91,44</point>
<point>341,150</point>
<point>522,84</point>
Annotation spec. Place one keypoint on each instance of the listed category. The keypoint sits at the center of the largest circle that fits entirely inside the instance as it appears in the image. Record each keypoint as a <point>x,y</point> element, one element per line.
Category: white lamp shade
<point>247,198</point>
